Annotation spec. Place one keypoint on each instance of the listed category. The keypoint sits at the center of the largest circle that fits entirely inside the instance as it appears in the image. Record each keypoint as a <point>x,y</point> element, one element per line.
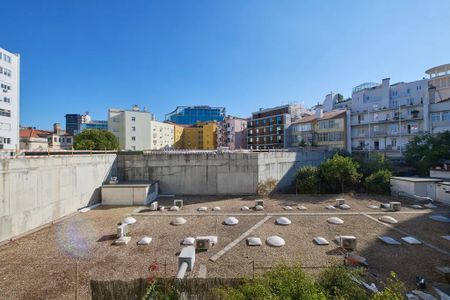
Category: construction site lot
<point>59,261</point>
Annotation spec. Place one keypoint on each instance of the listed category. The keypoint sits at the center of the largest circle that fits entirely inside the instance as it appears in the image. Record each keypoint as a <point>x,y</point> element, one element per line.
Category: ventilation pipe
<point>186,261</point>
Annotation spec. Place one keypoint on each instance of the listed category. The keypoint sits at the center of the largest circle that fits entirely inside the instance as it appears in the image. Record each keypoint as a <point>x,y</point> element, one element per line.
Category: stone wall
<point>37,191</point>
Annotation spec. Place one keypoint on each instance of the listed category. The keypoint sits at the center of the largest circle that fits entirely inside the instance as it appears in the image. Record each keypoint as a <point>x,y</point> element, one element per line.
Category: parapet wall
<point>215,173</point>
<point>37,191</point>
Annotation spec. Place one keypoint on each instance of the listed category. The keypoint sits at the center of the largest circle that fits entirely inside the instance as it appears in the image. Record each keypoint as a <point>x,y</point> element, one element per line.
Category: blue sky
<point>89,55</point>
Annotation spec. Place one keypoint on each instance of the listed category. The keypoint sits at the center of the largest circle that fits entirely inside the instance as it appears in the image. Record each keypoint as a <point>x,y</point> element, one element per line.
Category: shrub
<point>282,282</point>
<point>340,172</point>
<point>307,180</point>
<point>394,290</point>
<point>266,187</point>
<point>379,182</point>
<point>336,282</point>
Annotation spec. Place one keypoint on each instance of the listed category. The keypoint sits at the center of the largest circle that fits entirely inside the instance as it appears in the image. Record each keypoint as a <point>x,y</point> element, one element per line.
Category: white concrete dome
<point>283,221</point>
<point>335,221</point>
<point>301,207</point>
<point>388,219</point>
<point>344,206</point>
<point>259,207</point>
<point>373,206</point>
<point>275,241</point>
<point>245,208</point>
<point>231,221</point>
<point>129,220</point>
<point>178,221</point>
<point>202,208</point>
<point>330,207</point>
<point>174,208</point>
<point>287,207</point>
<point>216,208</point>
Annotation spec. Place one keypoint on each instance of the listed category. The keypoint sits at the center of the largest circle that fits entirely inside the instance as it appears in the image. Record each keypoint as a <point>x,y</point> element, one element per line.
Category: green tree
<point>336,281</point>
<point>95,139</point>
<point>427,150</point>
<point>374,163</point>
<point>307,180</point>
<point>340,172</point>
<point>379,182</point>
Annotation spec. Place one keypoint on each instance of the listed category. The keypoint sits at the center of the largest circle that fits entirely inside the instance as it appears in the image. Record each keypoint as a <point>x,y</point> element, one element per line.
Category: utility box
<point>154,205</point>
<point>178,203</point>
<point>347,242</point>
<point>395,206</point>
<point>340,201</point>
<point>202,243</point>
<point>259,202</point>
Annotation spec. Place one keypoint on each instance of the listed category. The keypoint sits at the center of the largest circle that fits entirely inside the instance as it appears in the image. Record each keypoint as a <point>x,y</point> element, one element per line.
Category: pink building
<point>232,133</point>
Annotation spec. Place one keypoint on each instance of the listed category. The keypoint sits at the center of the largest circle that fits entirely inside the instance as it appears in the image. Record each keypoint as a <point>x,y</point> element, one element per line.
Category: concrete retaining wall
<point>215,174</point>
<point>37,191</point>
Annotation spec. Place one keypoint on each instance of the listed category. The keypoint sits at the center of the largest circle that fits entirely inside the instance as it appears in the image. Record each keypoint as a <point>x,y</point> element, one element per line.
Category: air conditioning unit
<point>203,243</point>
<point>347,242</point>
<point>395,206</point>
<point>259,202</point>
<point>178,203</point>
<point>113,180</point>
<point>340,201</point>
<point>154,205</point>
<point>122,230</point>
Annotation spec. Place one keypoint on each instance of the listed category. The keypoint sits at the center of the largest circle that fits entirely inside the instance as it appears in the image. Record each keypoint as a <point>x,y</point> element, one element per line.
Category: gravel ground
<point>43,265</point>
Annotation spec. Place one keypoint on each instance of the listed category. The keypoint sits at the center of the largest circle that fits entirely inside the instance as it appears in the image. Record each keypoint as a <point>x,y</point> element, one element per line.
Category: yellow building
<point>322,129</point>
<point>330,130</point>
<point>201,136</point>
<point>178,136</point>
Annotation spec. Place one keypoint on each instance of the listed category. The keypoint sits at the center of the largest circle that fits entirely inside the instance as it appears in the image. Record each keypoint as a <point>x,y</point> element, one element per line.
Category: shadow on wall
<point>96,196</point>
<point>286,170</point>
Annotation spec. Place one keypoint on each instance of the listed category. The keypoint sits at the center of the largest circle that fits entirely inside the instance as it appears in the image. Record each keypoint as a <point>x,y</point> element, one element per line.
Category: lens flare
<point>76,237</point>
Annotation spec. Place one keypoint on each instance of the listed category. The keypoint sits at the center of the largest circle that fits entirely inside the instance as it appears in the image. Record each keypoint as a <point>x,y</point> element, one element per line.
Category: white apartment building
<point>131,127</point>
<point>162,135</point>
<point>9,100</point>
<point>386,117</point>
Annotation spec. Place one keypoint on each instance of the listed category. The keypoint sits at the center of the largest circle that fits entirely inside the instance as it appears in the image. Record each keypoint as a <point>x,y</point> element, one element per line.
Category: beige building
<point>32,139</point>
<point>162,135</point>
<point>131,127</point>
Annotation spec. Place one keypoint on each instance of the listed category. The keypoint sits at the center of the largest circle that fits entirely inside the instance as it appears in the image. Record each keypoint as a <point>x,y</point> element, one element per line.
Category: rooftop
<point>326,116</point>
<point>44,264</point>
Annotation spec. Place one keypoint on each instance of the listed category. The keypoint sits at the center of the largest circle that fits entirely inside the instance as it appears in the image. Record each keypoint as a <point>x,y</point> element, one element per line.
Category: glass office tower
<point>193,114</point>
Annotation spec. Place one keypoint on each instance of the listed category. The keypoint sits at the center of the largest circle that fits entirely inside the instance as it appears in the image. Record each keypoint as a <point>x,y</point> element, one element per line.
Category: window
<point>408,91</point>
<point>115,120</point>
<point>6,100</point>
<point>133,138</point>
<point>55,139</point>
<point>394,143</point>
<point>446,116</point>
<point>133,119</point>
<point>5,113</point>
<point>4,140</point>
<point>435,117</point>
<point>133,148</point>
<point>133,128</point>
<point>69,140</point>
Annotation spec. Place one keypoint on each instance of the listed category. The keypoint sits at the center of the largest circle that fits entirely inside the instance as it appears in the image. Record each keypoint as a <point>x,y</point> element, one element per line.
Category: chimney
<point>319,112</point>
<point>57,128</point>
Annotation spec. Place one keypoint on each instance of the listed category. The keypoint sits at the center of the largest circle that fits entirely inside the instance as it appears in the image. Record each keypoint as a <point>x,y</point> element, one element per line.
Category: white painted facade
<point>162,135</point>
<point>387,117</point>
<point>439,83</point>
<point>9,100</point>
<point>131,127</point>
